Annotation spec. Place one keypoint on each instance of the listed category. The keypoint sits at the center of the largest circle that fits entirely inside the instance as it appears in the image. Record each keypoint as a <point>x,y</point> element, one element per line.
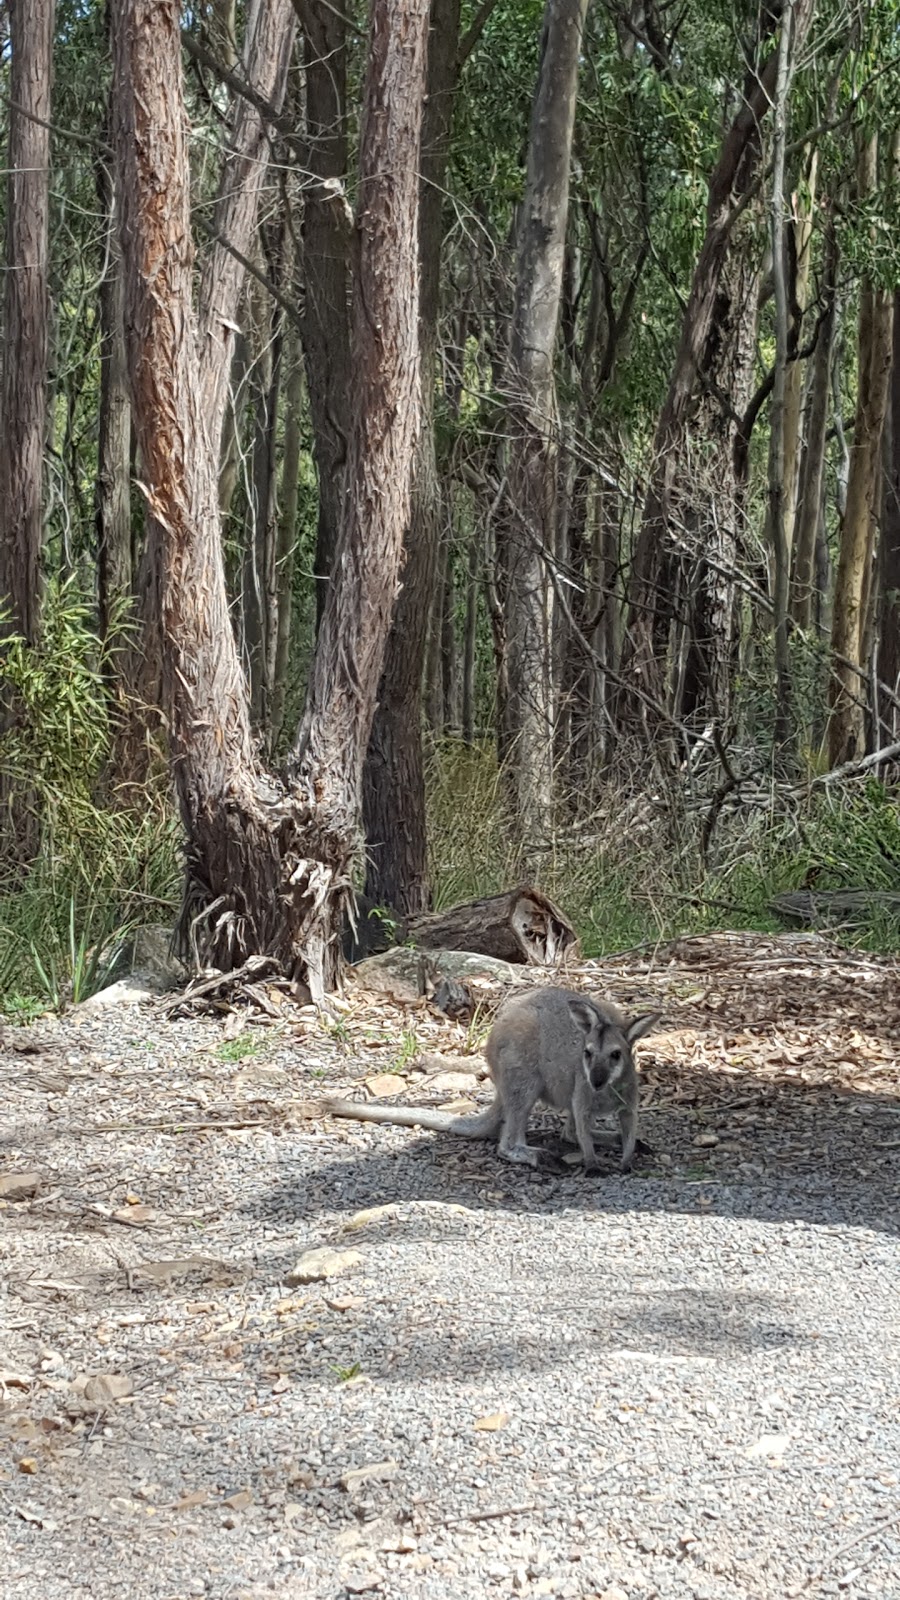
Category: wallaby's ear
<point>584,1014</point>
<point>638,1026</point>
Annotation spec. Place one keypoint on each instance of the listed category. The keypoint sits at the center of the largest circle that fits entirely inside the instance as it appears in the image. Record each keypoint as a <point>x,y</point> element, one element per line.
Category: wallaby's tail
<point>484,1126</point>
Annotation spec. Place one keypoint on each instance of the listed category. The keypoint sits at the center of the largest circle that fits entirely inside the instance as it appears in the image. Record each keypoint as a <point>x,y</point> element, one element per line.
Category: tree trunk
<point>470,642</point>
<point>23,399</point>
<point>266,53</point>
<point>846,727</point>
<point>780,531</point>
<point>801,235</point>
<point>812,474</point>
<point>385,412</point>
<point>268,869</point>
<point>394,779</point>
<point>287,529</point>
<point>115,579</point>
<point>268,42</point>
<point>258,577</point>
<point>529,534</point>
<point>889,567</point>
<point>327,235</point>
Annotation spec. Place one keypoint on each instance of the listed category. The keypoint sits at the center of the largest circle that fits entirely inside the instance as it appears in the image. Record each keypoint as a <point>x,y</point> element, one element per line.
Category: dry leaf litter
<point>248,1351</point>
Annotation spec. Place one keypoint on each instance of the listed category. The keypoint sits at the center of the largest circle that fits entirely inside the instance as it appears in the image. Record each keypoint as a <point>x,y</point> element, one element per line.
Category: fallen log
<point>812,907</point>
<point>521,925</point>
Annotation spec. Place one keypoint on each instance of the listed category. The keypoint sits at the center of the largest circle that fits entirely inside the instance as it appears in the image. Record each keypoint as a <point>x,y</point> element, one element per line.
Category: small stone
<point>134,1215</point>
<point>454,1083</point>
<point>240,1501</point>
<point>375,1472</point>
<point>363,1219</point>
<point>19,1185</point>
<point>192,1501</point>
<point>706,1141</point>
<point>304,1477</point>
<point>106,1387</point>
<point>315,1266</point>
<point>385,1084</point>
<point>770,1444</point>
<point>492,1423</point>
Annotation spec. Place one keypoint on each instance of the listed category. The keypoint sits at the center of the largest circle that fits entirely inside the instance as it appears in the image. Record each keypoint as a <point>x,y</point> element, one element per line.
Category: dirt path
<point>680,1384</point>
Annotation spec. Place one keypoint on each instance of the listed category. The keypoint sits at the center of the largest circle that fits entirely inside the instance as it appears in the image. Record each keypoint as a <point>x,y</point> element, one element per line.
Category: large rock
<point>397,971</point>
<point>151,958</point>
<point>131,991</point>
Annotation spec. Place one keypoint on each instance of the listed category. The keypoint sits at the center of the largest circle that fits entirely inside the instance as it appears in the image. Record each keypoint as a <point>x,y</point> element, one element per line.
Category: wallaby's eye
<point>615,1058</point>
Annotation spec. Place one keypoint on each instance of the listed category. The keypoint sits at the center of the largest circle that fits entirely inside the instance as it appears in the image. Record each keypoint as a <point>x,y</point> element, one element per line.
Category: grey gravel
<point>688,1385</point>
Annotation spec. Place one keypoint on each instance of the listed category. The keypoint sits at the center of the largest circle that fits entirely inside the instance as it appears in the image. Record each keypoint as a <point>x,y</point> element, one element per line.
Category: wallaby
<point>552,1045</point>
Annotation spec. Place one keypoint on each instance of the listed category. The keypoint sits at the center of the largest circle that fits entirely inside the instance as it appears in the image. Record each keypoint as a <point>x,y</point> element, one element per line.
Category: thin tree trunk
<point>449,672</point>
<point>115,578</point>
<point>778,511</point>
<point>434,682</point>
<point>812,475</point>
<point>801,232</point>
<point>327,235</point>
<point>529,534</point>
<point>258,579</point>
<point>846,727</point>
<point>268,43</point>
<point>287,528</point>
<point>889,607</point>
<point>23,398</point>
<point>268,869</point>
<point>470,642</point>
<point>394,780</point>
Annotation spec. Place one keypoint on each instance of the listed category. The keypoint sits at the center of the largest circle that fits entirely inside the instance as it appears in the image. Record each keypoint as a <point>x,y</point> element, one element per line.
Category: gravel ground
<point>679,1384</point>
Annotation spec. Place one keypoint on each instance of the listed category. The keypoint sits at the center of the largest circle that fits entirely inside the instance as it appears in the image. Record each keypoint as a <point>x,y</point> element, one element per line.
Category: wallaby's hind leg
<point>514,1144</point>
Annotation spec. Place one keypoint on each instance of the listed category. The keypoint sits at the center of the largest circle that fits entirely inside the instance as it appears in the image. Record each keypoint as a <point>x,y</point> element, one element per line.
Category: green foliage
<point>628,884</point>
<point>347,1374</point>
<point>77,967</point>
<point>241,1048</point>
<point>409,1049</point>
<point>60,738</point>
<point>97,870</point>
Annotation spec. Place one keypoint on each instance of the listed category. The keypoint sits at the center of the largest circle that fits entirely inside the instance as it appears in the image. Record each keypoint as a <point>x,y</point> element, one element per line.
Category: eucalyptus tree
<point>269,856</point>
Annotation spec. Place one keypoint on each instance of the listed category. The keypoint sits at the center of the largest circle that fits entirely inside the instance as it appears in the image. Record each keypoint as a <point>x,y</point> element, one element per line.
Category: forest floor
<point>681,1384</point>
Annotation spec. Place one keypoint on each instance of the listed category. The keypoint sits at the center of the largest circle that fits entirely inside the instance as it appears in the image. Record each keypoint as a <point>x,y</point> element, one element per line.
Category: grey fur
<point>573,1053</point>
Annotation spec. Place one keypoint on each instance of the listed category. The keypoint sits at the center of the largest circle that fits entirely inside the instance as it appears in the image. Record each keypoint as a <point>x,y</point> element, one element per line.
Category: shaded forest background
<point>646,648</point>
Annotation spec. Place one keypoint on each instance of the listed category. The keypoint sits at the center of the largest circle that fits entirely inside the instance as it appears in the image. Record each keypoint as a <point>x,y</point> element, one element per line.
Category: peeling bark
<point>268,864</point>
<point>23,400</point>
